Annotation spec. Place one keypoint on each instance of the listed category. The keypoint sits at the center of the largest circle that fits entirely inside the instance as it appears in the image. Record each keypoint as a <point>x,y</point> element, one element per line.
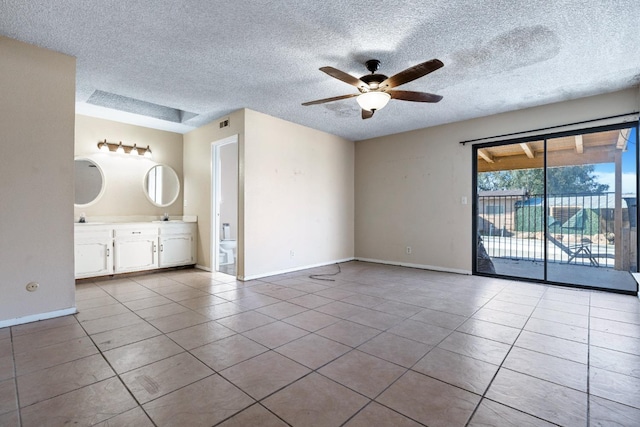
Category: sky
<point>605,172</point>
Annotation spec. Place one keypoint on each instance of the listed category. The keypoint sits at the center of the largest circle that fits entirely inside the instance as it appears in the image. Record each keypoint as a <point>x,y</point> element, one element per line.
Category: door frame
<point>216,195</point>
<point>545,137</point>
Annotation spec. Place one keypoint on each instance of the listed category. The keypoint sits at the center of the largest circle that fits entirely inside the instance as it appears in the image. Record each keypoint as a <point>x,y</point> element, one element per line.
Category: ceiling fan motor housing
<point>373,80</point>
<point>372,65</point>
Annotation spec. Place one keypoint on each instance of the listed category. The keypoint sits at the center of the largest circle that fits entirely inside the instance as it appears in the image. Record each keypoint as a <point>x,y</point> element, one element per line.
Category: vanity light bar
<point>122,148</point>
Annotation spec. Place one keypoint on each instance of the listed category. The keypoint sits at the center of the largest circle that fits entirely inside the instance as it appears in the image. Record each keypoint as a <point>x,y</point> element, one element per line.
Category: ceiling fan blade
<point>342,76</point>
<point>366,114</point>
<point>412,73</point>
<point>408,95</point>
<point>335,98</point>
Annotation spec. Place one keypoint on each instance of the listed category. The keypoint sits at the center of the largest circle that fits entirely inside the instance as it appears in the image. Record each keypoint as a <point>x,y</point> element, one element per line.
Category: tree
<point>561,180</point>
<point>574,179</point>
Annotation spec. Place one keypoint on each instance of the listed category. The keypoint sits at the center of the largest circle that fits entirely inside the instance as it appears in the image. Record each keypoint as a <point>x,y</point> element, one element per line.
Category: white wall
<point>409,186</point>
<point>298,188</point>
<point>124,174</point>
<point>36,182</point>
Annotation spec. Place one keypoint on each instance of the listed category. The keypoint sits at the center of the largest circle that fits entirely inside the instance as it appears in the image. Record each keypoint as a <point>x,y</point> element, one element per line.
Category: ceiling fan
<point>377,89</point>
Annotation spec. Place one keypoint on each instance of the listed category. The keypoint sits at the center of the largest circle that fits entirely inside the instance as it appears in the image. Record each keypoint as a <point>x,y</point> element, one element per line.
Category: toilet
<point>227,246</point>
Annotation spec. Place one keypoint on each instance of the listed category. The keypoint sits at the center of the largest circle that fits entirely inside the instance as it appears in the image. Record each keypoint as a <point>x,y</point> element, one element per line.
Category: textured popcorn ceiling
<point>209,58</point>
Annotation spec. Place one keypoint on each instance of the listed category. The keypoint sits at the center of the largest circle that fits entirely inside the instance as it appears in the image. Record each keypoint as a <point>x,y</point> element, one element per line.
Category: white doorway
<point>224,209</point>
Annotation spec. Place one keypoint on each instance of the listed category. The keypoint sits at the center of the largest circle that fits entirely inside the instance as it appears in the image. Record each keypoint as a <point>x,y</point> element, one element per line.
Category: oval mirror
<point>161,185</point>
<point>89,182</point>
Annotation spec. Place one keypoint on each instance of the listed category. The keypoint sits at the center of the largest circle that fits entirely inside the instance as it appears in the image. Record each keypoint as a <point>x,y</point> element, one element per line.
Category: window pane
<point>591,216</point>
<point>510,183</point>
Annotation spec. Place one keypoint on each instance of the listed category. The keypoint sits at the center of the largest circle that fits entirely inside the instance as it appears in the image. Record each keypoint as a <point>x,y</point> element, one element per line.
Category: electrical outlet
<point>292,254</point>
<point>463,200</point>
<point>32,286</point>
<point>408,250</point>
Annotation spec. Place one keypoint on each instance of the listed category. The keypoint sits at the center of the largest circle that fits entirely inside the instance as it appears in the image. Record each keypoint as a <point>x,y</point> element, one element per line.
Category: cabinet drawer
<point>137,231</point>
<point>91,232</point>
<point>172,229</point>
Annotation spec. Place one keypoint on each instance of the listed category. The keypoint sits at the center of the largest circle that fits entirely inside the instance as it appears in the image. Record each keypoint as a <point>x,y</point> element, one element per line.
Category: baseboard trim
<point>36,317</point>
<point>291,270</point>
<point>420,266</point>
<point>202,267</point>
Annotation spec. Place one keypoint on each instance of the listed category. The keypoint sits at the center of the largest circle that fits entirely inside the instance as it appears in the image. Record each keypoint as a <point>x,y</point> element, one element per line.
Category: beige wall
<point>197,177</point>
<point>36,175</point>
<point>298,196</point>
<point>124,174</point>
<point>409,186</point>
<point>295,193</point>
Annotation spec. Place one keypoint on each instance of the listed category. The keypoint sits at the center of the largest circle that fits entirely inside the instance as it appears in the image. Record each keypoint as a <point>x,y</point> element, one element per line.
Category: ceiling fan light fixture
<point>373,101</point>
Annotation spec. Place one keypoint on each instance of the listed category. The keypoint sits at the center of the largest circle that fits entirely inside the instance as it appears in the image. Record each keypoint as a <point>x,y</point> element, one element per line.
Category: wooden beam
<point>579,146</point>
<point>623,139</point>
<point>485,155</point>
<point>593,155</point>
<point>527,150</point>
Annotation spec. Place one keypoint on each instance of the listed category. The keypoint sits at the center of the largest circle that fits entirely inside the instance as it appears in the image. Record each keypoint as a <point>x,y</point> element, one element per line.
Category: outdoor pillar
<point>617,219</point>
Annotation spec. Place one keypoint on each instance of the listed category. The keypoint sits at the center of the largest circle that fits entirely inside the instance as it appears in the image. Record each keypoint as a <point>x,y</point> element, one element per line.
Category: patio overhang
<point>594,148</point>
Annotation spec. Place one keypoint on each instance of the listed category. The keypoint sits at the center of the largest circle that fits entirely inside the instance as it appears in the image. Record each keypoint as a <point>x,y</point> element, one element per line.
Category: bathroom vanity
<point>112,248</point>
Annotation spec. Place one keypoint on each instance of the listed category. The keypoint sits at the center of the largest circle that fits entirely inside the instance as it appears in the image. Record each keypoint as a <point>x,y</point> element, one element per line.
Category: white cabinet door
<point>93,257</point>
<point>108,249</point>
<point>176,250</point>
<point>135,254</point>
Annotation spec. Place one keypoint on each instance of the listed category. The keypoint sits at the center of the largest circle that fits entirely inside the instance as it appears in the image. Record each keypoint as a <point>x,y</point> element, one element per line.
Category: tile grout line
<point>419,373</point>
<point>483,396</point>
<point>101,353</point>
<point>255,403</point>
<point>215,372</point>
<point>259,402</point>
<point>117,375</point>
<point>367,404</point>
<point>161,333</point>
<point>15,376</point>
<point>325,364</point>
<point>410,369</point>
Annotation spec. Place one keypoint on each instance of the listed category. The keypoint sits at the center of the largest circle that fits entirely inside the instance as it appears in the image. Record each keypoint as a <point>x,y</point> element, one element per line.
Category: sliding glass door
<point>510,186</point>
<point>559,209</point>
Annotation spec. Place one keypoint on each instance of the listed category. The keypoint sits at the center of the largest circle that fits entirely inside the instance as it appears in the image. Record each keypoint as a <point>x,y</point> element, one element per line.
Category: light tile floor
<point>379,346</point>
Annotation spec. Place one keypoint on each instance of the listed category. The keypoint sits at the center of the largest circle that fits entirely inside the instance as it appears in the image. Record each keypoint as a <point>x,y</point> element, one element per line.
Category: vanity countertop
<point>136,220</point>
